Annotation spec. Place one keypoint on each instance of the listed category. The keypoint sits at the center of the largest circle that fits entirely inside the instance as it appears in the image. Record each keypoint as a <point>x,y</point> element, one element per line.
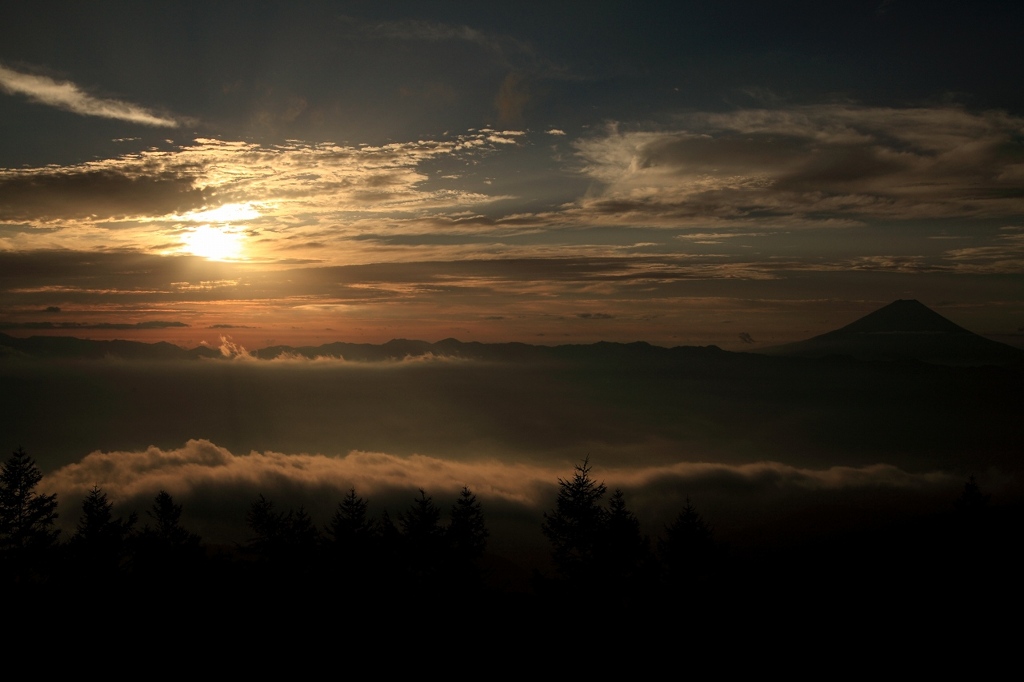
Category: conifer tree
<point>353,541</point>
<point>687,550</point>
<point>302,538</point>
<point>167,529</point>
<point>166,552</point>
<point>286,545</point>
<point>100,542</point>
<point>421,519</point>
<point>27,518</point>
<point>266,524</point>
<point>390,541</point>
<point>350,528</point>
<point>422,539</point>
<point>276,534</point>
<point>420,524</point>
<point>575,526</point>
<point>625,551</point>
<point>467,532</point>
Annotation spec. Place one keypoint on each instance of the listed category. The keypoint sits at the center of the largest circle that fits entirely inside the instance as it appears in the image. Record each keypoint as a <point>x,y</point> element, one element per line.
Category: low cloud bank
<point>216,486</point>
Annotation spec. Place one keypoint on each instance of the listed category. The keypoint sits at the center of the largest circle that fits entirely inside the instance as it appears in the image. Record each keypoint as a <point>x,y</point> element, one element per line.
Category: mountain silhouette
<point>905,330</point>
<point>54,347</point>
<point>607,353</point>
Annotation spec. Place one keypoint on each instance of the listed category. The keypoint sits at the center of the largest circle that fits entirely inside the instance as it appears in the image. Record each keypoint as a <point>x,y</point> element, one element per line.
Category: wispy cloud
<point>70,97</point>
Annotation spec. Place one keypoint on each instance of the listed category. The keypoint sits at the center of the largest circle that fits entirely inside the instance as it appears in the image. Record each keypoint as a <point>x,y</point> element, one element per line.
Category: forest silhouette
<point>434,560</point>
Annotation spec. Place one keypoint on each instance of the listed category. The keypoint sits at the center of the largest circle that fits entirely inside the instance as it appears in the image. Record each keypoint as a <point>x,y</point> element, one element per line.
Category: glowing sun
<point>215,243</point>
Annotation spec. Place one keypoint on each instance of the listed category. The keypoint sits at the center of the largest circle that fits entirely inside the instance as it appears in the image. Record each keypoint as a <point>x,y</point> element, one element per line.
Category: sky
<point>734,173</point>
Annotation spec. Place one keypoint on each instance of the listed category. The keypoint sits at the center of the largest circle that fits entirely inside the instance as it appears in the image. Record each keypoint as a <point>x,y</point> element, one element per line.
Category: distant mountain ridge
<point>905,329</point>
<point>73,347</point>
<point>64,347</point>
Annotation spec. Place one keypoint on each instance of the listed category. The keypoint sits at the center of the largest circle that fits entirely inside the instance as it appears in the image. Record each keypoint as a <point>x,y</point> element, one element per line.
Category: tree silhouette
<point>27,518</point>
<point>167,527</point>
<point>303,540</point>
<point>467,531</point>
<point>302,532</point>
<point>353,541</point>
<point>972,506</point>
<point>390,554</point>
<point>624,552</point>
<point>575,526</point>
<point>422,520</point>
<point>351,529</point>
<point>687,551</point>
<point>266,524</point>
<point>276,532</point>
<point>467,539</point>
<point>166,552</point>
<point>975,537</point>
<point>100,543</point>
<point>287,543</point>
<point>422,539</point>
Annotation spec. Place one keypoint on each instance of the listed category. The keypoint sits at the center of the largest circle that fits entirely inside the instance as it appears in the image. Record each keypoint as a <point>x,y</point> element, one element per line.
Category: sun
<point>214,243</point>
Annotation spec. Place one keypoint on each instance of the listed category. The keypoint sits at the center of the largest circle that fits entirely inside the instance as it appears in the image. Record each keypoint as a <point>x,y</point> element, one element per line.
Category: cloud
<point>807,164</point>
<point>150,324</point>
<point>200,462</point>
<point>220,483</point>
<point>90,192</point>
<point>290,196</point>
<point>70,97</point>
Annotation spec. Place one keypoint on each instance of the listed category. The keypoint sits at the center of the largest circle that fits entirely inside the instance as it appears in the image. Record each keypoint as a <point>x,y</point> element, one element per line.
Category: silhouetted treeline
<point>433,558</point>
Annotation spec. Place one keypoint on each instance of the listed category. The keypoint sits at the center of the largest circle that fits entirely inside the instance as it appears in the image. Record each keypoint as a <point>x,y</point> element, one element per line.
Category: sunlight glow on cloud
<point>215,243</point>
<point>291,195</point>
<point>70,97</point>
<point>226,213</point>
<point>202,463</point>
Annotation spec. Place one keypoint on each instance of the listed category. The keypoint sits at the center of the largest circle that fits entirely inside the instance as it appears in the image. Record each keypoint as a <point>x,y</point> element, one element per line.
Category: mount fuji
<point>905,330</point>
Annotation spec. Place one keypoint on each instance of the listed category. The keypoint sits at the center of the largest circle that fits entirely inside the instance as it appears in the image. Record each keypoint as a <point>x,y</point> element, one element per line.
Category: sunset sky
<point>733,173</point>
